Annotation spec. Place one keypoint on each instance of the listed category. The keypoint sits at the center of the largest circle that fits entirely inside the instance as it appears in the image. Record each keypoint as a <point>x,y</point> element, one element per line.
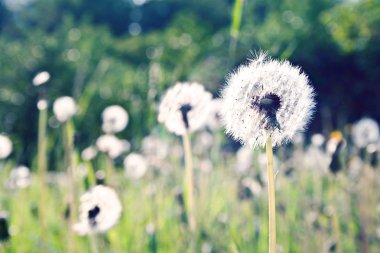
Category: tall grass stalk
<point>68,139</point>
<point>42,168</point>
<point>237,13</point>
<point>271,197</point>
<point>189,186</point>
<point>110,170</point>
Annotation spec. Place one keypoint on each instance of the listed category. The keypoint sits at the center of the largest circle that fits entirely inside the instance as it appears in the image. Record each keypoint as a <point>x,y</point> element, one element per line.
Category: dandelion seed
<point>184,107</point>
<point>365,132</point>
<point>19,178</point>
<point>266,98</point>
<point>115,119</point>
<point>111,145</point>
<point>100,209</point>
<point>41,78</point>
<point>6,146</point>
<point>135,166</point>
<point>64,108</point>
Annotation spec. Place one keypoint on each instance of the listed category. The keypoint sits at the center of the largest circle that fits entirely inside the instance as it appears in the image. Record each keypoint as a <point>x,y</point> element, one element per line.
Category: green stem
<point>68,137</point>
<point>110,171</point>
<point>189,184</point>
<point>94,243</point>
<point>42,168</point>
<point>271,198</point>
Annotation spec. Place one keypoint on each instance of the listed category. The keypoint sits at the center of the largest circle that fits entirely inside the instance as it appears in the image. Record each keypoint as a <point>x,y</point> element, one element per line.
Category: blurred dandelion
<point>112,146</point>
<point>184,108</point>
<point>41,78</point>
<point>64,108</point>
<point>100,209</point>
<point>365,132</point>
<point>135,166</point>
<point>115,119</point>
<point>264,104</point>
<point>89,153</point>
<point>19,178</point>
<point>6,146</point>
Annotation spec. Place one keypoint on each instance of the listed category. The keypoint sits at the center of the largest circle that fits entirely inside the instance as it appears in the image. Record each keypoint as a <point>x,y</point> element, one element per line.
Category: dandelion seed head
<point>184,107</point>
<point>100,209</point>
<point>41,78</point>
<point>111,145</point>
<point>317,140</point>
<point>365,132</point>
<point>89,153</point>
<point>19,178</point>
<point>135,166</point>
<point>155,148</point>
<point>266,98</point>
<point>42,104</point>
<point>115,119</point>
<point>6,146</point>
<point>64,108</point>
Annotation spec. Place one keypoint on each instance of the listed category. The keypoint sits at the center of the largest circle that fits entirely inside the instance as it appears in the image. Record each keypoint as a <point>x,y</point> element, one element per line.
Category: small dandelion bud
<point>64,108</point>
<point>266,98</point>
<point>184,107</point>
<point>6,146</point>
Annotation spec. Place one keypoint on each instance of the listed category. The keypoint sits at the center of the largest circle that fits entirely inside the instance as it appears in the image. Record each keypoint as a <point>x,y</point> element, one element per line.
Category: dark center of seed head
<point>92,213</point>
<point>184,111</point>
<point>268,105</point>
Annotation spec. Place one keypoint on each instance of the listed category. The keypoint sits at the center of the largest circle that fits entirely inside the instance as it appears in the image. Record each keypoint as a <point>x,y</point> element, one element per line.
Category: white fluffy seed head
<point>41,78</point>
<point>19,178</point>
<point>6,146</point>
<point>365,132</point>
<point>184,107</point>
<point>135,166</point>
<point>266,98</point>
<point>100,209</point>
<point>115,119</point>
<point>111,145</point>
<point>64,108</point>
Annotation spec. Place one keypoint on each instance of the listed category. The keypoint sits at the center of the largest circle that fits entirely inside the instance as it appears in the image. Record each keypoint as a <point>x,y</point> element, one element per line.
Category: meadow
<point>319,209</point>
<point>119,132</point>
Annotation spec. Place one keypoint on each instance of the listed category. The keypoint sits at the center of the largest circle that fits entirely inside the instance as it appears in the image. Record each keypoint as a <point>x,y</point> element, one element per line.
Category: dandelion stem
<point>109,171</point>
<point>69,148</point>
<point>271,198</point>
<point>42,168</point>
<point>189,183</point>
<point>94,243</point>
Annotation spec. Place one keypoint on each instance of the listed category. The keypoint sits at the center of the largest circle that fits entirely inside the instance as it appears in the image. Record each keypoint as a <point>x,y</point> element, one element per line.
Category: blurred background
<point>128,52</point>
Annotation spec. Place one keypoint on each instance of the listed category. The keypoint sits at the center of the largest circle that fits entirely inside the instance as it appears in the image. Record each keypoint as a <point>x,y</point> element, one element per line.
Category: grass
<point>310,206</point>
